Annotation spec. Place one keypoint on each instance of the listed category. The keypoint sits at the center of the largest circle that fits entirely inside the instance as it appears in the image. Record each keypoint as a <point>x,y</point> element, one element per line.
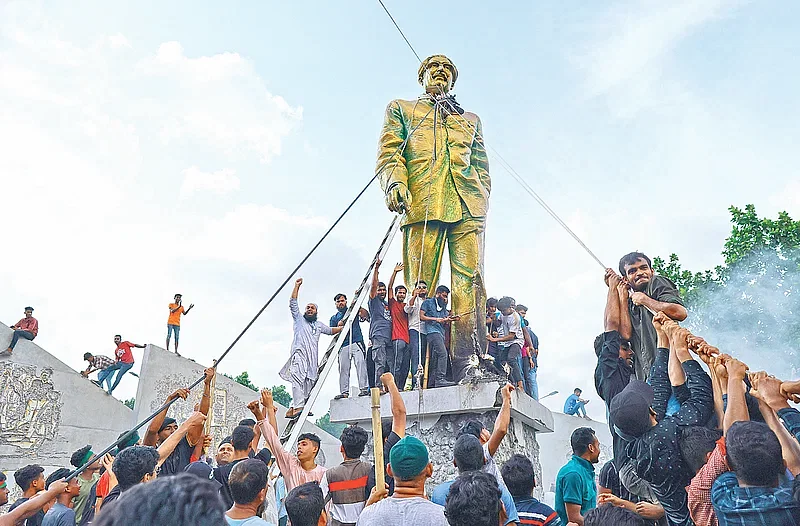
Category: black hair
<point>312,437</point>
<point>397,288</point>
<point>241,438</point>
<point>56,475</point>
<point>472,427</point>
<point>304,504</point>
<point>696,443</point>
<point>247,422</point>
<point>353,440</point>
<point>468,453</point>
<point>381,284</point>
<point>340,295</point>
<point>386,428</point>
<point>506,302</point>
<point>754,453</point>
<point>631,259</point>
<point>167,501</point>
<point>491,302</point>
<point>474,500</point>
<point>247,479</point>
<point>520,307</point>
<point>227,440</point>
<point>580,440</point>
<point>442,288</point>
<point>421,281</point>
<point>87,356</point>
<point>2,476</point>
<point>133,463</point>
<point>77,458</point>
<point>24,476</point>
<point>577,389</point>
<point>118,336</point>
<point>611,515</point>
<point>518,475</point>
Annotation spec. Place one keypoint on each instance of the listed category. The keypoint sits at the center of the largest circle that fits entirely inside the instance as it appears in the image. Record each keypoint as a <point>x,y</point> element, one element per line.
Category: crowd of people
<point>697,438</point>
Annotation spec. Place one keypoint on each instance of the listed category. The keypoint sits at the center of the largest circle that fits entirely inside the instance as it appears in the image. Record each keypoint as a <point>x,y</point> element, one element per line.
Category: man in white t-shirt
<point>416,329</point>
<point>513,338</point>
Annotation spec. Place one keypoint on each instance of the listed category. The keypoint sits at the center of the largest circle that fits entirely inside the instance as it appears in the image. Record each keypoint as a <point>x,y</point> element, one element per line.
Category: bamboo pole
<point>377,437</point>
<point>207,424</point>
<point>427,363</point>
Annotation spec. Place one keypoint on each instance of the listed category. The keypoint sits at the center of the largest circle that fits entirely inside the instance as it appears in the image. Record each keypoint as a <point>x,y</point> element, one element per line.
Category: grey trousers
<point>354,352</point>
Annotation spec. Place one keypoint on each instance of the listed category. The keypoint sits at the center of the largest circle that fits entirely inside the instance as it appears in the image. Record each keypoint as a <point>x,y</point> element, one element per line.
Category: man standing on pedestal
<point>439,177</point>
<point>26,328</point>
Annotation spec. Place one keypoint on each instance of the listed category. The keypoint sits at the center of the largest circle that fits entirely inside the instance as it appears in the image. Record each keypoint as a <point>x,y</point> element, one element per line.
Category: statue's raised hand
<point>398,198</point>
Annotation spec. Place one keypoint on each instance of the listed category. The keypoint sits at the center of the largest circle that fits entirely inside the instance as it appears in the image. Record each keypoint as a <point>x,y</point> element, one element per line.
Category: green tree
<point>244,379</point>
<point>281,395</point>
<point>750,304</point>
<point>325,423</point>
<point>130,402</point>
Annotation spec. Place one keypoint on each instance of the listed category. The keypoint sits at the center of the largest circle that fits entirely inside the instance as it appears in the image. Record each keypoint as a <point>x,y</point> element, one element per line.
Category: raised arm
<point>737,407</point>
<point>191,306</point>
<point>398,406</point>
<point>31,506</point>
<point>195,434</point>
<point>151,435</point>
<point>296,290</point>
<point>166,448</point>
<point>502,421</point>
<point>611,314</point>
<point>397,269</point>
<point>698,407</point>
<point>659,372</point>
<point>373,288</point>
<point>284,459</point>
<point>768,392</point>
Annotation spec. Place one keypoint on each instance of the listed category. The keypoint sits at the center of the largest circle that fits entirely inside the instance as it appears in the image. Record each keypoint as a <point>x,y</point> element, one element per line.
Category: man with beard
<point>656,293</point>
<point>435,315</point>
<point>401,352</point>
<point>380,330</point>
<point>352,349</point>
<point>417,335</point>
<point>301,368</point>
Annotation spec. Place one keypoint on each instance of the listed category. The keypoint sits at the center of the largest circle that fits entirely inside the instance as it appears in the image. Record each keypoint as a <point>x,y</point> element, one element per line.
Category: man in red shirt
<point>124,361</point>
<point>400,359</point>
<point>26,328</point>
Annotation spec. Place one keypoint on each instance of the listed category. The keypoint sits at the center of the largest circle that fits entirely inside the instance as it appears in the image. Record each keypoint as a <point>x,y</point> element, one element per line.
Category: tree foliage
<point>130,402</point>
<point>281,395</point>
<point>324,422</point>
<point>752,301</point>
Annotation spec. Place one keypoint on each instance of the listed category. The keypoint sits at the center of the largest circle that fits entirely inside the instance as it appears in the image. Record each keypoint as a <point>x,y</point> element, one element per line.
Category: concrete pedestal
<point>436,415</point>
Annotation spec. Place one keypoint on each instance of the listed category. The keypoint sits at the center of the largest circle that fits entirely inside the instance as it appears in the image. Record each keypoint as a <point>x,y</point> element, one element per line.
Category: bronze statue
<point>440,180</point>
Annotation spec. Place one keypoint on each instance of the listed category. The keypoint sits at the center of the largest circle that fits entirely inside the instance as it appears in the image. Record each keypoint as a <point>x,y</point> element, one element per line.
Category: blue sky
<point>193,147</point>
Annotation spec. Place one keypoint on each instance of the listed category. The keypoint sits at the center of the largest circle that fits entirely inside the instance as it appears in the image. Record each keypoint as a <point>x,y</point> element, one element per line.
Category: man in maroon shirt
<point>400,359</point>
<point>124,359</point>
<point>26,328</point>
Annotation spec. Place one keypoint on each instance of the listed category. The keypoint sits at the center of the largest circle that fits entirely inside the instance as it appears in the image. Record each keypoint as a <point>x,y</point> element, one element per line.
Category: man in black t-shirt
<point>392,431</point>
<point>162,427</point>
<point>30,479</point>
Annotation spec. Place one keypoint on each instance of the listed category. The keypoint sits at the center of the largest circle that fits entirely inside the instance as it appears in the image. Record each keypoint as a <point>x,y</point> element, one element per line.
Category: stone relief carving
<point>30,406</point>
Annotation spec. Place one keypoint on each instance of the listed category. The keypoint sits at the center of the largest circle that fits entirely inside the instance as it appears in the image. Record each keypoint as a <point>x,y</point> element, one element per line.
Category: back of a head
<point>519,476</point>
<point>241,438</point>
<point>386,427</point>
<point>27,474</point>
<point>696,443</point>
<point>580,440</point>
<point>58,474</point>
<point>474,500</point>
<point>468,454</point>
<point>754,453</point>
<point>353,440</point>
<point>133,463</point>
<point>472,427</point>
<point>169,501</point>
<point>609,515</point>
<point>505,303</point>
<point>248,422</point>
<point>247,479</point>
<point>304,504</point>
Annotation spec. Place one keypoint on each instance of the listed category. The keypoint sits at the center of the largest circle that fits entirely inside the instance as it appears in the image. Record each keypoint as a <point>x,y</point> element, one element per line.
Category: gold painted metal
<point>440,180</point>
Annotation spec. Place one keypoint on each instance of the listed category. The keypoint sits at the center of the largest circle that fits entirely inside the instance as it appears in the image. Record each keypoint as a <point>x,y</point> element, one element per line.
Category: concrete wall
<point>48,411</point>
<point>163,372</point>
<point>556,449</point>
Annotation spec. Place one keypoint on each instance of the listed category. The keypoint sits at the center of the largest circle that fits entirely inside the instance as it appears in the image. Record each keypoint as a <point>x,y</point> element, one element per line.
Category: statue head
<point>437,74</point>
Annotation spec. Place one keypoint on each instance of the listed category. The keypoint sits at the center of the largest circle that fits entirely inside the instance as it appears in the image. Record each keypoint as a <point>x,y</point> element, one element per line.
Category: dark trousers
<point>370,368</point>
<point>20,334</point>
<point>438,358</point>
<point>417,346</point>
<point>402,362</point>
<point>381,359</point>
<point>526,369</point>
<point>513,355</point>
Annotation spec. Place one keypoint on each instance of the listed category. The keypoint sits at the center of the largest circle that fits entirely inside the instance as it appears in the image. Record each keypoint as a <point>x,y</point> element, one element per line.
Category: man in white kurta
<point>301,368</point>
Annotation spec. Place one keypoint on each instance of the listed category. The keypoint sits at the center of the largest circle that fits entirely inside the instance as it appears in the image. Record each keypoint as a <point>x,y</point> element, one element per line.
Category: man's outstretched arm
<point>166,448</point>
<point>398,406</point>
<point>151,435</point>
<point>503,420</point>
<point>373,288</point>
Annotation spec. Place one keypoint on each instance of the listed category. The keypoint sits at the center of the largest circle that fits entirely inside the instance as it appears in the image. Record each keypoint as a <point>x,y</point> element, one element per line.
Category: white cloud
<point>220,182</point>
<point>119,41</point>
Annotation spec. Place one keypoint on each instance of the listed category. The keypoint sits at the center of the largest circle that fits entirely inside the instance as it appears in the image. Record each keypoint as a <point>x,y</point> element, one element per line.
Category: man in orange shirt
<point>174,321</point>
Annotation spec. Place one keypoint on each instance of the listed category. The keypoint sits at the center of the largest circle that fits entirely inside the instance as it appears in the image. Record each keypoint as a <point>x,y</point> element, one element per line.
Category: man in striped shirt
<point>345,485</point>
<point>520,480</point>
<point>101,364</point>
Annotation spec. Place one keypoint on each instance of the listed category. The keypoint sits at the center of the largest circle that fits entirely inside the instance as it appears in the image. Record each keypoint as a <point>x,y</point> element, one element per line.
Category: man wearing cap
<point>438,175</point>
<point>638,414</point>
<point>174,320</point>
<point>301,368</point>
<point>27,328</point>
<point>410,467</point>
